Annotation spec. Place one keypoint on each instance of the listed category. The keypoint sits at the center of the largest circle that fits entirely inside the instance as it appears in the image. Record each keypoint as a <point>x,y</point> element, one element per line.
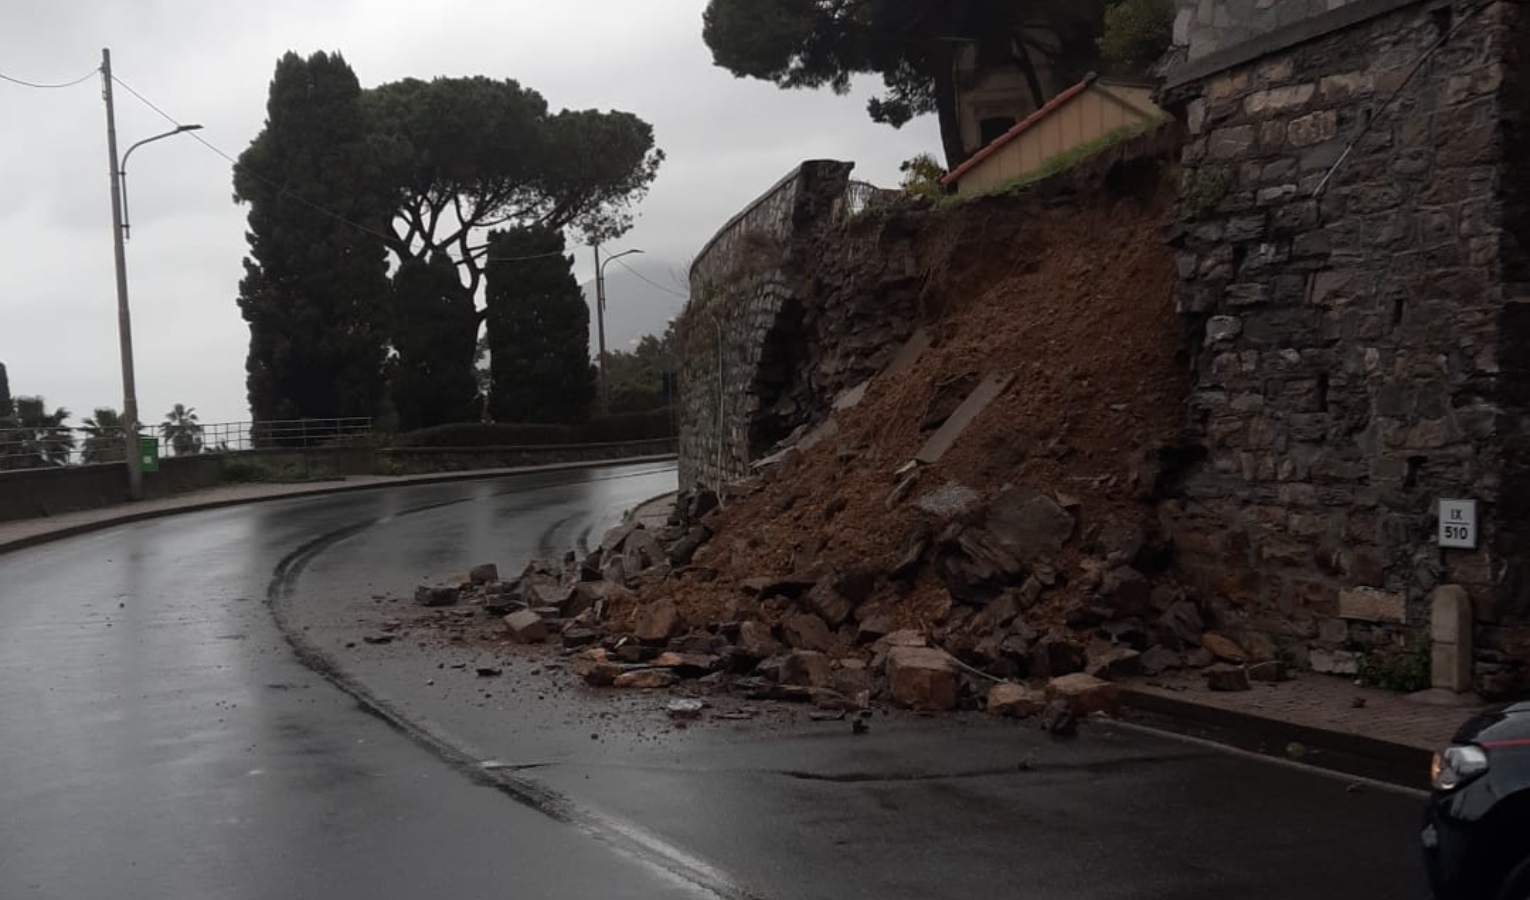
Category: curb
<point>1402,765</point>
<point>128,517</point>
<point>632,513</point>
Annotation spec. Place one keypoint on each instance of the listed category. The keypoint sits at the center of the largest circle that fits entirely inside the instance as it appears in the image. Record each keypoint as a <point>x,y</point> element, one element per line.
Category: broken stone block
<point>687,665</point>
<point>614,570</point>
<point>805,668</point>
<point>637,653</point>
<point>1081,616</point>
<point>1199,658</point>
<point>1159,659</point>
<point>1224,648</point>
<point>1334,662</point>
<point>615,540</point>
<point>1029,524</point>
<point>1085,694</point>
<point>1110,662</point>
<point>922,678</point>
<point>658,622</point>
<point>805,631</point>
<point>596,668</point>
<point>573,638</point>
<point>685,710</point>
<point>1015,701</point>
<point>756,641</point>
<point>853,681</point>
<point>436,596</point>
<point>828,604</point>
<point>1059,719</point>
<point>488,573</point>
<point>685,549</point>
<point>642,551</point>
<point>526,627</point>
<point>542,590</point>
<point>647,679</point>
<point>1180,627</point>
<point>1224,677</point>
<point>1270,670</point>
<point>873,628</point>
<point>913,555</point>
<point>1055,656</point>
<point>1126,591</point>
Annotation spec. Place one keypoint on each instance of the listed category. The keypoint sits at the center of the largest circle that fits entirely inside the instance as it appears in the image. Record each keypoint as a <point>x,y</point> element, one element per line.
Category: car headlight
<point>1456,766</point>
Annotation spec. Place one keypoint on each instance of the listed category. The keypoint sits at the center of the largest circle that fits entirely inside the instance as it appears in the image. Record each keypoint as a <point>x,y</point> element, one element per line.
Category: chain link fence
<point>49,446</point>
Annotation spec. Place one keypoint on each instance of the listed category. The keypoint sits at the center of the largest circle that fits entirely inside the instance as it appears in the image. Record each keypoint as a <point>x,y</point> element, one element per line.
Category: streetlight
<point>124,319</point>
<point>600,316</point>
<point>127,227</point>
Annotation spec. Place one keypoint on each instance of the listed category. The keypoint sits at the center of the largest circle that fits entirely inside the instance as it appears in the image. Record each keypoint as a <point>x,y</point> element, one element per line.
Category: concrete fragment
<point>1333,662</point>
<point>574,638</point>
<point>526,627</point>
<point>908,354</point>
<point>950,499</point>
<point>1085,694</point>
<point>488,573</point>
<point>922,678</point>
<point>1015,700</point>
<point>1224,677</point>
<point>1110,662</point>
<point>685,710</point>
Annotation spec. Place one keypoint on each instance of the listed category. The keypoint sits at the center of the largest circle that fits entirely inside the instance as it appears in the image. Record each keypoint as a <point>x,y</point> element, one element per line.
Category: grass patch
<point>245,471</point>
<point>1062,162</point>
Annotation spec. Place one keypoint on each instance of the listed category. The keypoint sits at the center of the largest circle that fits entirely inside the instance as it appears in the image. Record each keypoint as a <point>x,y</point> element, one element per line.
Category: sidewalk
<point>1316,711</point>
<point>30,532</point>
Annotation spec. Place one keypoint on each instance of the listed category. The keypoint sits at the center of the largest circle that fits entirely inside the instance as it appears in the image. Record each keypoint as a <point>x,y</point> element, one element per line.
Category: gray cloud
<point>211,63</point>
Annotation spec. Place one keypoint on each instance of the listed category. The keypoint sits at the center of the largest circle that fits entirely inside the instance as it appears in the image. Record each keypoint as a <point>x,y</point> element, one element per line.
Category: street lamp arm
<point>122,167</point>
<point>610,259</point>
<point>127,227</point>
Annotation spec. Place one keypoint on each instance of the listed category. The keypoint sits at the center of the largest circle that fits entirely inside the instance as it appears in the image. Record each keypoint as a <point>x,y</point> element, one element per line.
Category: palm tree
<point>40,438</point>
<point>104,437</point>
<point>182,431</point>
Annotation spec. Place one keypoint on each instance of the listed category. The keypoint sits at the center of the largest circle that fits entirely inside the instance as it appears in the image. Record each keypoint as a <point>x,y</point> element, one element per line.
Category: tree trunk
<point>946,110</point>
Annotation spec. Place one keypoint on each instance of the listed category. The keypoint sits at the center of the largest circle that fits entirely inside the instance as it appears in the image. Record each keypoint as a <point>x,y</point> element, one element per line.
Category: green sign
<point>148,452</point>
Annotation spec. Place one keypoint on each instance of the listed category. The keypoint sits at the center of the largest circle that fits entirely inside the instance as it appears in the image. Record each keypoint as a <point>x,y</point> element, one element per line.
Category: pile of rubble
<point>1040,612</point>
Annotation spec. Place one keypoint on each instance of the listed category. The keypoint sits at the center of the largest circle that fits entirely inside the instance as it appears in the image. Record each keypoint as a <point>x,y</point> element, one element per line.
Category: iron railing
<point>862,196</point>
<point>50,447</point>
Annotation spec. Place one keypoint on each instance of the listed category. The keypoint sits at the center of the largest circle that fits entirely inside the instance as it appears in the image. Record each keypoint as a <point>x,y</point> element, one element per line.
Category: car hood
<point>1509,722</point>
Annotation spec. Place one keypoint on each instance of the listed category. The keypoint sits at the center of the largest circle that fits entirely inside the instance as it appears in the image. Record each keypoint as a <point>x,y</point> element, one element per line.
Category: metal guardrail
<point>55,446</point>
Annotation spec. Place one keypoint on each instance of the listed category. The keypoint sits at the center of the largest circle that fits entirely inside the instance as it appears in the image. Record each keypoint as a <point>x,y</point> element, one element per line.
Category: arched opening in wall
<point>777,414</point>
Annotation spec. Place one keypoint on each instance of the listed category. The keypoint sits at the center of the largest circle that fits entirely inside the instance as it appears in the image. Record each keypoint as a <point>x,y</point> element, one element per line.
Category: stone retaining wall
<point>743,325</point>
<point>1352,284</point>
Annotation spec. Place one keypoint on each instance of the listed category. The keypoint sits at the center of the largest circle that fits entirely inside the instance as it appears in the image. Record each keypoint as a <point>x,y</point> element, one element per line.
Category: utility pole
<point>124,318</point>
<point>600,325</point>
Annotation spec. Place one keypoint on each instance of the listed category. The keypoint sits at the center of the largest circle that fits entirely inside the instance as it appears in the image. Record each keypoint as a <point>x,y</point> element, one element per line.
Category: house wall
<point>1000,92</point>
<point>1353,345</point>
<point>1092,114</point>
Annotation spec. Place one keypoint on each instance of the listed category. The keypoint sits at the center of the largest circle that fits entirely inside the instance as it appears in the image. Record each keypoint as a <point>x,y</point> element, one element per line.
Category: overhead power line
<point>651,282</point>
<point>51,87</point>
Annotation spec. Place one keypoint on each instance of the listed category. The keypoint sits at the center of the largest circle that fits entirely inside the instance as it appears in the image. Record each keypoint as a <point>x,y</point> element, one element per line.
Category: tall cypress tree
<point>431,320</point>
<point>7,408</point>
<point>315,287</point>
<point>539,330</point>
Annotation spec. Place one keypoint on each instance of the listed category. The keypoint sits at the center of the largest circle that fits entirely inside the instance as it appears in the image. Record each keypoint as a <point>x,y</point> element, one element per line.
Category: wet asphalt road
<point>158,738</point>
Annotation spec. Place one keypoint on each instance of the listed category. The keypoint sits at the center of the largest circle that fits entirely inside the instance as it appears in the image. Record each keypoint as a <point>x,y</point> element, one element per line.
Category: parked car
<point>1476,833</point>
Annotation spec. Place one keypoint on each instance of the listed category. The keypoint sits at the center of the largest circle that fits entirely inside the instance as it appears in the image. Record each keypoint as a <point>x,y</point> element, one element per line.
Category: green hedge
<point>618,429</point>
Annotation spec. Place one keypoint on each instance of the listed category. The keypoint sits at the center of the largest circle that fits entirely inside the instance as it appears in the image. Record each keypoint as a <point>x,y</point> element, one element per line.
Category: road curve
<point>159,738</point>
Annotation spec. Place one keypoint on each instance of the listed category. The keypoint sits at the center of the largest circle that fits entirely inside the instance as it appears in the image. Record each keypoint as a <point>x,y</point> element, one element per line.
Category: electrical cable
<point>52,87</point>
<point>649,281</point>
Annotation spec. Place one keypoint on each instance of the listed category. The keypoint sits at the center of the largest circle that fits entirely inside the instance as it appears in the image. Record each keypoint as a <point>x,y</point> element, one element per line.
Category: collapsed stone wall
<point>1343,255</point>
<point>1205,27</point>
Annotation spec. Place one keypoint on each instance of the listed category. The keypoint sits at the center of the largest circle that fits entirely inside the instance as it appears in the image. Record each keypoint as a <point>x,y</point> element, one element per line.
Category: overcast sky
<point>210,61</point>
